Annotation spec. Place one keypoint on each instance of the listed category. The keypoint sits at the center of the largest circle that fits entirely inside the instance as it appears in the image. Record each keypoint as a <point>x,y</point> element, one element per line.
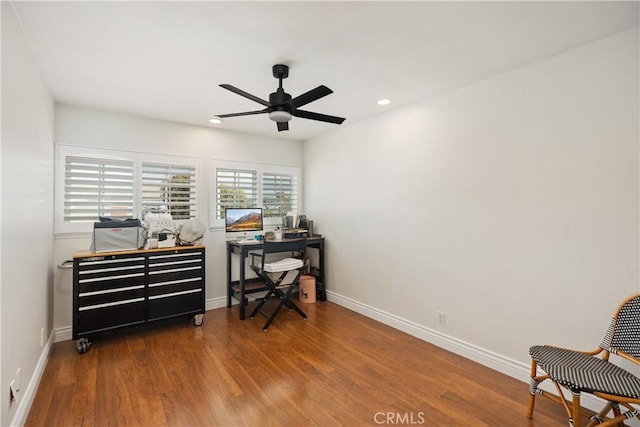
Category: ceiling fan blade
<point>245,94</point>
<point>283,126</point>
<point>310,96</point>
<point>317,116</point>
<point>246,113</point>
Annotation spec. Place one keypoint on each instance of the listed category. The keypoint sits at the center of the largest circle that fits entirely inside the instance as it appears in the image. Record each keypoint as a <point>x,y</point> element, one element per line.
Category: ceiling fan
<point>281,107</point>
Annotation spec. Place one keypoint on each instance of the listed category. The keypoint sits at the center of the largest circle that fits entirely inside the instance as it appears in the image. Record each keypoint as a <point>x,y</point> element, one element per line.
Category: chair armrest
<point>629,357</point>
<point>595,352</point>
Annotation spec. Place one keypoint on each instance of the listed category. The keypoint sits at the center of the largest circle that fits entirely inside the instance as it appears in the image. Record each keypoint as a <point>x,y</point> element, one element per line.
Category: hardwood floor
<point>336,368</point>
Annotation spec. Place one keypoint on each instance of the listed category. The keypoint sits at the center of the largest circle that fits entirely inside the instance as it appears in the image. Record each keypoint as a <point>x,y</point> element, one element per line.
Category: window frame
<point>260,169</point>
<point>63,227</point>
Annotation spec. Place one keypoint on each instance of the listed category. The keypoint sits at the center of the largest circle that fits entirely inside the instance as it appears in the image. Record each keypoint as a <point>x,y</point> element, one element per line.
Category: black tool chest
<point>113,290</point>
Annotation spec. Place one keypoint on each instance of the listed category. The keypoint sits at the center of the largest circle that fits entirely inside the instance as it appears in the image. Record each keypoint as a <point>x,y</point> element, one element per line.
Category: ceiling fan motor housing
<point>279,98</point>
<point>279,111</point>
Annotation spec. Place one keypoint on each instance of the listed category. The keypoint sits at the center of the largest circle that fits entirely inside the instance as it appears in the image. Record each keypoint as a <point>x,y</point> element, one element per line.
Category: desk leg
<point>241,285</point>
<point>229,291</point>
<point>323,289</point>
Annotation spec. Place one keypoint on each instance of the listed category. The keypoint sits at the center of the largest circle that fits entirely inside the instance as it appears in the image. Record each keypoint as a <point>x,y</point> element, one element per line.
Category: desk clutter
<point>157,230</point>
<point>294,227</point>
<point>297,226</point>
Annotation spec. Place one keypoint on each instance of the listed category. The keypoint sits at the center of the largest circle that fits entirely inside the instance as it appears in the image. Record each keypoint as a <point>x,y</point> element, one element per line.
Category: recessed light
<point>215,120</point>
<point>384,101</point>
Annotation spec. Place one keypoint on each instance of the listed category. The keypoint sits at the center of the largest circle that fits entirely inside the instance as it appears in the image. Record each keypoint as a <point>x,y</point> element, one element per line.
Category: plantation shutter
<point>235,188</point>
<point>96,187</point>
<point>169,188</point>
<point>279,194</point>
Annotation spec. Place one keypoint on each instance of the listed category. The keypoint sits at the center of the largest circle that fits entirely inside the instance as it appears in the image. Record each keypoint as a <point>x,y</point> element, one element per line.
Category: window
<point>279,194</point>
<point>235,188</point>
<point>117,184</point>
<point>169,188</point>
<point>97,187</point>
<point>239,185</point>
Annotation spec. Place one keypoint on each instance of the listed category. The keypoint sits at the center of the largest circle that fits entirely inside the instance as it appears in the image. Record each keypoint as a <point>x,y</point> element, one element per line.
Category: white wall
<point>91,128</point>
<point>510,204</point>
<point>27,216</point>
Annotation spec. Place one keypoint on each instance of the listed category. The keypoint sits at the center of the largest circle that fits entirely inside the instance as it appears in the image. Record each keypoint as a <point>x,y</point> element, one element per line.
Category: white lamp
<point>280,116</point>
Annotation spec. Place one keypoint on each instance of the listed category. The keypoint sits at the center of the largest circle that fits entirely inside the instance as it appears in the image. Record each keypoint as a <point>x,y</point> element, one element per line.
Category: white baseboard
<point>495,361</point>
<point>63,334</point>
<point>26,399</point>
<point>219,302</point>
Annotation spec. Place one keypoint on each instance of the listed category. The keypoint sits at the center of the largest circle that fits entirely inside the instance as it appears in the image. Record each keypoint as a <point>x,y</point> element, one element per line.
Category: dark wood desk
<point>239,289</point>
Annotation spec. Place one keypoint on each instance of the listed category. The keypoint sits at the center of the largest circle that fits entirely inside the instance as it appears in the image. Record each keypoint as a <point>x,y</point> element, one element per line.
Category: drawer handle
<point>174,294</point>
<point>104,270</point>
<point>108,261</point>
<point>110,304</point>
<point>175,282</point>
<point>103,279</point>
<point>175,270</point>
<point>110,291</point>
<point>174,255</point>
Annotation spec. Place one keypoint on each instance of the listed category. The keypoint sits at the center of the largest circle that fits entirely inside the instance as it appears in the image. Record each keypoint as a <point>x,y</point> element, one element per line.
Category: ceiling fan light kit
<point>281,107</point>
<point>280,116</point>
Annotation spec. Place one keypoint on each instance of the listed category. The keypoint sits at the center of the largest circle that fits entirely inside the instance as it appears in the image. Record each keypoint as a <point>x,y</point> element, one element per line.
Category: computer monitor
<point>243,220</point>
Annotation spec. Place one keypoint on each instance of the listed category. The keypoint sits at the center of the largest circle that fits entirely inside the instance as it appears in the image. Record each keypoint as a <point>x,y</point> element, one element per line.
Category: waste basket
<point>307,289</point>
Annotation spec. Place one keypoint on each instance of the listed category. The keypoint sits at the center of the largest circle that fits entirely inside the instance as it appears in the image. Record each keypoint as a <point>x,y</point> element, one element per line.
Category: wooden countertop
<point>85,254</point>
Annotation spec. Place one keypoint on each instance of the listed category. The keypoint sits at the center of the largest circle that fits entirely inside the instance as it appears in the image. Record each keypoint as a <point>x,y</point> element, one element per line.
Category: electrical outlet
<point>441,318</point>
<point>18,379</point>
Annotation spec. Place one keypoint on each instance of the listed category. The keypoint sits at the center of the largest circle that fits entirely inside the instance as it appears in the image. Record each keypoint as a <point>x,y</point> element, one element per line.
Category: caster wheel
<point>83,345</point>
<point>198,319</point>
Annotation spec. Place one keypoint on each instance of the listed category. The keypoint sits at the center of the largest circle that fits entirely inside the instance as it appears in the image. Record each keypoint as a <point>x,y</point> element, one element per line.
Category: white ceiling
<point>165,59</point>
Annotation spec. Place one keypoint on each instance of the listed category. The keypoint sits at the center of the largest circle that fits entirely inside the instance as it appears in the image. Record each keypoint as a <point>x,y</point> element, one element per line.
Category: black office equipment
<point>114,235</point>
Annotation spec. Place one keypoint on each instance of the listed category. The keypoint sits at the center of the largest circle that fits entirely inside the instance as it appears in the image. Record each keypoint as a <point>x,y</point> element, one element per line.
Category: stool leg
<point>294,306</point>
<point>274,314</point>
<point>261,303</point>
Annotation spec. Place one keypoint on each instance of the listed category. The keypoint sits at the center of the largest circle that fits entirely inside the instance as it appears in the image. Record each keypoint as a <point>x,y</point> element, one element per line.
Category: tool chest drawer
<point>104,317</point>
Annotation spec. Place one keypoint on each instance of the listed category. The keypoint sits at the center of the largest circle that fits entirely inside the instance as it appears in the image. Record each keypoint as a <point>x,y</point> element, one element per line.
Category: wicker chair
<point>592,372</point>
